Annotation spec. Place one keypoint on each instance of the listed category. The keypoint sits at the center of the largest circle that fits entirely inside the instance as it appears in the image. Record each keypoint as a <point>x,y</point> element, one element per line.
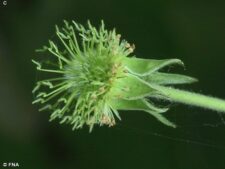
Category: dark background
<point>193,31</point>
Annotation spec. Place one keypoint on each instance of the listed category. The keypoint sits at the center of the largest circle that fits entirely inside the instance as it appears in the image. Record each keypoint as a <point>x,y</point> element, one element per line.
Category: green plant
<point>94,77</point>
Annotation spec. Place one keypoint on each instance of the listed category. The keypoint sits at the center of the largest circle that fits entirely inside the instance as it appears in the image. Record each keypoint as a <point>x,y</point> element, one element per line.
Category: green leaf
<point>143,67</point>
<point>131,87</point>
<point>143,105</point>
<point>168,78</point>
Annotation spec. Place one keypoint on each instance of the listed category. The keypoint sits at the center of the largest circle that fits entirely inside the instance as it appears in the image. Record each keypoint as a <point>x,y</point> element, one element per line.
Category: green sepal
<point>141,104</point>
<point>143,67</point>
<point>168,79</point>
<point>131,87</point>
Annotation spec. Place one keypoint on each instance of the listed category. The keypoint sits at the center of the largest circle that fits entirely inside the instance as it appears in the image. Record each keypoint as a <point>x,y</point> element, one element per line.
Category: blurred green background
<point>193,31</point>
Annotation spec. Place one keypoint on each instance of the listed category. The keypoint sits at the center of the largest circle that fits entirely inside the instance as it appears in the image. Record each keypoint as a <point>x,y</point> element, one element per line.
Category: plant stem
<point>192,99</point>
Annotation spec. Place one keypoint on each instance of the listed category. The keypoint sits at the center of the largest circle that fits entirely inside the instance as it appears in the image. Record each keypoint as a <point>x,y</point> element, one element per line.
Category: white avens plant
<point>92,73</point>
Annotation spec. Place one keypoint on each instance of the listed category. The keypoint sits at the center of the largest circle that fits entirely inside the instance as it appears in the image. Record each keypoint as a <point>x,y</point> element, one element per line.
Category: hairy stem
<point>192,99</point>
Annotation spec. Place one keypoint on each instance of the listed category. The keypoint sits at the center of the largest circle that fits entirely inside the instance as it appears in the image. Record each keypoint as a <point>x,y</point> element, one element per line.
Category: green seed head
<point>84,75</point>
<point>90,76</point>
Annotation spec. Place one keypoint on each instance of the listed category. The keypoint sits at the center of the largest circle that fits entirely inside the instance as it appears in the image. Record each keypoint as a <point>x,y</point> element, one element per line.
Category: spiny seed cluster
<point>85,72</point>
